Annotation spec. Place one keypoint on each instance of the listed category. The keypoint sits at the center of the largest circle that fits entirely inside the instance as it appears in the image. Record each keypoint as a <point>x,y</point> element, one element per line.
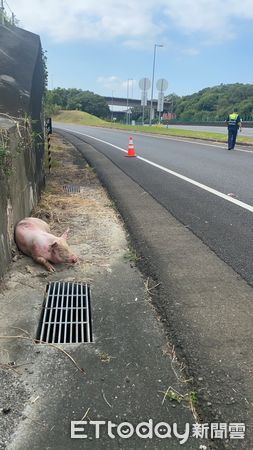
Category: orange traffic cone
<point>131,149</point>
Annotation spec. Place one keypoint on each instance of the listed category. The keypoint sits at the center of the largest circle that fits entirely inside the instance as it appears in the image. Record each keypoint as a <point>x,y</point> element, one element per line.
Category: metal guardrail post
<point>49,132</point>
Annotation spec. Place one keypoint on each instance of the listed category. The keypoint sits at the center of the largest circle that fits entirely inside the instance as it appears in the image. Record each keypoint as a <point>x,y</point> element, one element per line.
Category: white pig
<point>33,238</point>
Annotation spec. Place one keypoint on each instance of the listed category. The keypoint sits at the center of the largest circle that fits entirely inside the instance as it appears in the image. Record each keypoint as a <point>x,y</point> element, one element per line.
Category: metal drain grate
<point>71,188</point>
<point>66,314</point>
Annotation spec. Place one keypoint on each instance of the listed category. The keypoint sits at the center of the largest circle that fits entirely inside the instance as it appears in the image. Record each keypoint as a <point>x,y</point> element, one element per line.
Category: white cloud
<point>111,82</point>
<point>87,20</point>
<point>215,19</point>
<point>191,51</point>
<point>132,22</point>
<point>118,86</point>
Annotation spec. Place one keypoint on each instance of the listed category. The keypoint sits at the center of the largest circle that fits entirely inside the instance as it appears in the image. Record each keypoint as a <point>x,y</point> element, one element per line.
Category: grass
<point>82,118</point>
<point>78,117</point>
<point>54,164</point>
<point>131,255</point>
<point>175,396</point>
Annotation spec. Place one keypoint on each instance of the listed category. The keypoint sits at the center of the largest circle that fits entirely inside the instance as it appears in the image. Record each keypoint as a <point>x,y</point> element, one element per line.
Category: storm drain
<point>66,314</point>
<point>71,188</point>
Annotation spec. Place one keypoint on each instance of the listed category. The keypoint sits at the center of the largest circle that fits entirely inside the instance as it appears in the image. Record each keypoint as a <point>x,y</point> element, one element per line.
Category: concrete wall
<point>21,149</point>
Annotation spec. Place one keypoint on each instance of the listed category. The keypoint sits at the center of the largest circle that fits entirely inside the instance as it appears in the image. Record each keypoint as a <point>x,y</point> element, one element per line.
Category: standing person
<point>234,123</point>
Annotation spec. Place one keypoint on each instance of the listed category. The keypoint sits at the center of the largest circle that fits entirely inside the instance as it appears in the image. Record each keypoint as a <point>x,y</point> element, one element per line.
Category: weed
<point>89,168</point>
<point>190,399</point>
<point>27,139</point>
<point>111,205</point>
<point>5,154</point>
<point>193,398</point>
<point>131,255</point>
<point>54,164</point>
<point>105,357</point>
<point>174,396</point>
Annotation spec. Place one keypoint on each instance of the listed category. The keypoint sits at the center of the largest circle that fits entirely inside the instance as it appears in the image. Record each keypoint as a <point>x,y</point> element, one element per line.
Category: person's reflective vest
<point>232,119</point>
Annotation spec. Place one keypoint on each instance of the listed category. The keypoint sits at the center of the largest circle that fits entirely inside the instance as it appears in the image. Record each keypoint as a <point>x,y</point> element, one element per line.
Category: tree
<point>208,102</point>
<point>137,111</point>
<point>246,107</point>
<point>72,99</point>
<point>215,103</point>
<point>94,104</point>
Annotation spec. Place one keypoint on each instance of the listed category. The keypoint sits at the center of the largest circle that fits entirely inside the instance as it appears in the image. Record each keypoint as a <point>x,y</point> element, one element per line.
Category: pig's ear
<point>54,245</point>
<point>65,234</point>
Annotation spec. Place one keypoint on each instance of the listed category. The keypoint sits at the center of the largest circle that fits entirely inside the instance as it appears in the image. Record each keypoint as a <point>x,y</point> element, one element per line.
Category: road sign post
<point>144,85</point>
<point>161,86</point>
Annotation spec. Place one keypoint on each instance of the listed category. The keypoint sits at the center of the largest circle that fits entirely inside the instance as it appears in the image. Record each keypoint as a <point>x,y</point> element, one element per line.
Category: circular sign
<point>144,84</point>
<point>162,84</point>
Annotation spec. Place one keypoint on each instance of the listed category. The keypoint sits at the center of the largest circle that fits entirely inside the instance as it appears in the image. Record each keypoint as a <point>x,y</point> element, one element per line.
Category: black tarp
<point>21,91</point>
<point>21,72</point>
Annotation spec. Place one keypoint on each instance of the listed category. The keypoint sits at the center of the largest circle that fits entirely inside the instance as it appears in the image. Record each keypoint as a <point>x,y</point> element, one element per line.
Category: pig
<point>33,238</point>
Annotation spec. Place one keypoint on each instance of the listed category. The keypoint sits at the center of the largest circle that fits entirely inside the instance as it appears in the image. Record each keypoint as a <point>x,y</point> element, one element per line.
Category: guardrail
<point>246,123</point>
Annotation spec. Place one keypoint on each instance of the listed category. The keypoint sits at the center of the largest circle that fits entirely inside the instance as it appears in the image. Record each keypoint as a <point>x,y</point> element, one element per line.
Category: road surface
<point>192,180</point>
<point>206,306</point>
<point>211,129</point>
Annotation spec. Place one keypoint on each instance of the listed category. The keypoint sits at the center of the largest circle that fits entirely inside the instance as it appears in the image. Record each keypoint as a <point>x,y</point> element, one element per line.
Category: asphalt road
<point>191,179</point>
<point>245,131</point>
<point>205,306</point>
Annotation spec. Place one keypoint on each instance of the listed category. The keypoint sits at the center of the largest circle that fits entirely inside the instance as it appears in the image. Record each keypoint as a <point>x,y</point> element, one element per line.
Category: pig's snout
<point>73,259</point>
<point>61,252</point>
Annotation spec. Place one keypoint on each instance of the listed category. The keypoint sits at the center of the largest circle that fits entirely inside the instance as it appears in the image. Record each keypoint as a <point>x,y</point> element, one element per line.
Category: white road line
<point>176,174</point>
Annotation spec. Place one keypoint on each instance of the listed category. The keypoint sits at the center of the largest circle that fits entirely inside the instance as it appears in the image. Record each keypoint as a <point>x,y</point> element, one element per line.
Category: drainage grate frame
<point>66,314</point>
<point>71,188</point>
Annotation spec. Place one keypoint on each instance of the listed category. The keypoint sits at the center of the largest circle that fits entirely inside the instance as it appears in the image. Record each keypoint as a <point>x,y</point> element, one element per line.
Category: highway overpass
<point>131,102</point>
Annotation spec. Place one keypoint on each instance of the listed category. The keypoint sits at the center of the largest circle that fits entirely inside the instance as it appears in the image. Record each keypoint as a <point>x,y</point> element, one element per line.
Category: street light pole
<point>152,86</point>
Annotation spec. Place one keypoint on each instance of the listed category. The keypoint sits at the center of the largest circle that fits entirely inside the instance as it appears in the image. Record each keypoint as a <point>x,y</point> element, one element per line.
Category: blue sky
<point>98,46</point>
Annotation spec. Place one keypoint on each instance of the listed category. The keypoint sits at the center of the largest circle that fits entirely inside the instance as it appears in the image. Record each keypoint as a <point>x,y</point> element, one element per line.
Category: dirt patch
<point>95,234</point>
